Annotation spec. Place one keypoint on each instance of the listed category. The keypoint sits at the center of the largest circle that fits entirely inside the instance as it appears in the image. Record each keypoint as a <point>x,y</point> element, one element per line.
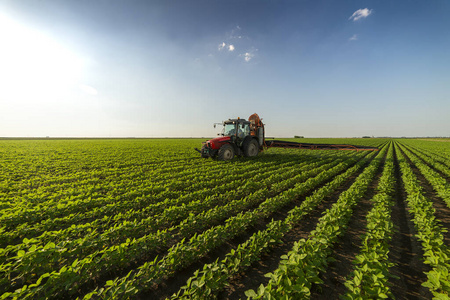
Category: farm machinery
<point>247,138</point>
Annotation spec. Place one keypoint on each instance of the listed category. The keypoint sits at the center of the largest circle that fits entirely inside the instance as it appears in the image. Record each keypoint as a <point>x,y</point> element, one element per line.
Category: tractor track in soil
<point>405,250</point>
<point>254,276</point>
<point>348,245</point>
<point>172,285</point>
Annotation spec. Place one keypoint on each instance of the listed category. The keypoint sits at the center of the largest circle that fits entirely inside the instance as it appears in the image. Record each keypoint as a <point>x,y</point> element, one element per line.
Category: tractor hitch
<point>206,152</point>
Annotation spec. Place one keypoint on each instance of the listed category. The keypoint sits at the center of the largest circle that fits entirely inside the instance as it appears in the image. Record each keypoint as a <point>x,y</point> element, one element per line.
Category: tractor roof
<point>234,121</point>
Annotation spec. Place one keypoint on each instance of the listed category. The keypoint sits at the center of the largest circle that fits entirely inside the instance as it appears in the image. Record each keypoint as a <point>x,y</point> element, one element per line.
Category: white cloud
<point>248,56</point>
<point>224,45</point>
<point>237,45</point>
<point>353,38</point>
<point>360,13</point>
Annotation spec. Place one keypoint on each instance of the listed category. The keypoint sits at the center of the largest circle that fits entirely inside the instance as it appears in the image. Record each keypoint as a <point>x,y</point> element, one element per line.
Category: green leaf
<point>261,289</point>
<point>441,296</point>
<point>251,294</point>
<point>109,283</point>
<point>75,262</point>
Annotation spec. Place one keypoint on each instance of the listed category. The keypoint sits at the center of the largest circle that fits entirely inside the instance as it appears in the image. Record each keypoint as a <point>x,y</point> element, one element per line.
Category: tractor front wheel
<point>251,148</point>
<point>226,152</point>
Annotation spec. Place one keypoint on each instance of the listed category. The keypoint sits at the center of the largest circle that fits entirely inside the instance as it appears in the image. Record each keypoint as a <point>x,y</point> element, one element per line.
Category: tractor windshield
<point>242,130</point>
<point>229,129</point>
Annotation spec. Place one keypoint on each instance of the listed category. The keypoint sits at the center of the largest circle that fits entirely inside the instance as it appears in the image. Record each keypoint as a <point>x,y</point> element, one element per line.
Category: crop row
<point>369,280</point>
<point>40,190</point>
<point>68,249</point>
<point>105,217</point>
<point>120,255</point>
<point>120,195</point>
<point>433,159</point>
<point>439,184</point>
<point>136,218</point>
<point>440,151</point>
<point>301,267</point>
<point>212,278</point>
<point>42,186</point>
<point>189,251</point>
<point>429,232</point>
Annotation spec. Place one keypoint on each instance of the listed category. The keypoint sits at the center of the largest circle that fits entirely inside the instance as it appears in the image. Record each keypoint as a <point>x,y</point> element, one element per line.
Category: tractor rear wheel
<point>226,152</point>
<point>251,148</point>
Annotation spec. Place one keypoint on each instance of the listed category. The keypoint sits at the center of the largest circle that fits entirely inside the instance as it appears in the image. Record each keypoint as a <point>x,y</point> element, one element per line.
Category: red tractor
<point>238,137</point>
<point>246,138</point>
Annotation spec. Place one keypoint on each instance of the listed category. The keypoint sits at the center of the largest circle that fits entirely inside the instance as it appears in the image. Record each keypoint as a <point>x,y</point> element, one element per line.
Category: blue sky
<point>173,68</point>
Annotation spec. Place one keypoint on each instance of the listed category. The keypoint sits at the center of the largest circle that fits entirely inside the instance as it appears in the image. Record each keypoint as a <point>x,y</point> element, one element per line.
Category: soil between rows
<point>405,250</point>
<point>347,248</point>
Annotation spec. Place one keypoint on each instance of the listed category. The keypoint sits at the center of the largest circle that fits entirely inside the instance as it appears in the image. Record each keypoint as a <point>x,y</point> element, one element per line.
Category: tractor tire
<point>226,152</point>
<point>251,148</point>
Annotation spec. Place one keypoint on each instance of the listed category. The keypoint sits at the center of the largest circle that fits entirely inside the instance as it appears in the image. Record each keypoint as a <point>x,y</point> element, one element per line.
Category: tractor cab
<point>237,128</point>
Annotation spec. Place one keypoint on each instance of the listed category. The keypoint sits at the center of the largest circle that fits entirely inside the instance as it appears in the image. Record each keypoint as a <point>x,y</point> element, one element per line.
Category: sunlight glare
<point>33,66</point>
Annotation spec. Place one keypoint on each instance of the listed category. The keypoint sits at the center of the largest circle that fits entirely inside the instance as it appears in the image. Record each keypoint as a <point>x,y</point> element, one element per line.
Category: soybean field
<point>151,219</point>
